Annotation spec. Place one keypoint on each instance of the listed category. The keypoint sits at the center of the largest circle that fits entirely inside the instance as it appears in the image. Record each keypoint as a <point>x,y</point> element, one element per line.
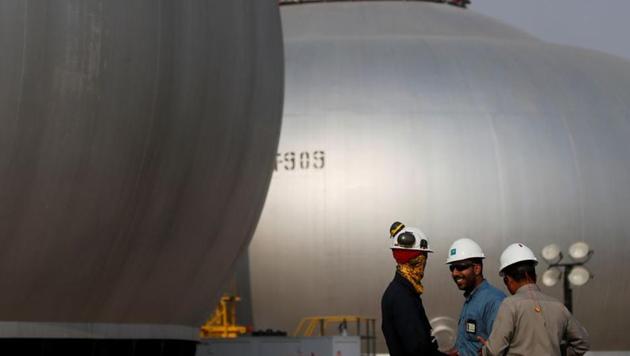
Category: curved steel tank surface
<point>136,146</point>
<point>453,122</point>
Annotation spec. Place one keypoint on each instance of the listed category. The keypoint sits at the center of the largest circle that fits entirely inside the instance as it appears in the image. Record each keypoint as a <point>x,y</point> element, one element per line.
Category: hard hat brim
<point>412,249</point>
<point>448,262</point>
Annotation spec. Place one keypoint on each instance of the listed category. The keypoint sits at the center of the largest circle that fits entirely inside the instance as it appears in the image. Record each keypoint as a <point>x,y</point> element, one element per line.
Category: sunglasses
<point>460,266</point>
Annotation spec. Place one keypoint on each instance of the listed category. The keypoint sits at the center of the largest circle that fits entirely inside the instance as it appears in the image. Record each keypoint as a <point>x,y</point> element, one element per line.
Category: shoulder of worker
<point>511,301</point>
<point>550,303</point>
<point>528,292</point>
<point>397,289</point>
<point>491,292</point>
<point>547,298</point>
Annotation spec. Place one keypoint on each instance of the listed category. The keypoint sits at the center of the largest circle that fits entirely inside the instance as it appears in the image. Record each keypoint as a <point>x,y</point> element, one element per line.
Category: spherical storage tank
<point>453,122</point>
<point>136,145</point>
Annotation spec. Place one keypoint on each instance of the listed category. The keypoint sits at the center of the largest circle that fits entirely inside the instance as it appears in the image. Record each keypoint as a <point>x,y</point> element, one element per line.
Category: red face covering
<point>412,268</point>
<point>403,256</point>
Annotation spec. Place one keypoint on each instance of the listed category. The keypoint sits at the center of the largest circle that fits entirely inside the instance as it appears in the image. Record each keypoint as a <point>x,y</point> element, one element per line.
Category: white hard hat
<point>408,238</point>
<point>516,253</point>
<point>464,249</point>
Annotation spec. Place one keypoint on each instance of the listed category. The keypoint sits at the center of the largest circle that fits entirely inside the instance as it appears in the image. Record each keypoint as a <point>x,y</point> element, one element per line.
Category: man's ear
<point>477,269</point>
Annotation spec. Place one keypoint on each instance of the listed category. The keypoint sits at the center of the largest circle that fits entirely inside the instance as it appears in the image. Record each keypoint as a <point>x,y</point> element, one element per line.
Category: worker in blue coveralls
<point>465,260</point>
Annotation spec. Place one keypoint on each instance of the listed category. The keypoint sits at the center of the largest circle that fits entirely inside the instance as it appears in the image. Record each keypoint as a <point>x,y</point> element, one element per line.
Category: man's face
<point>415,267</point>
<point>464,274</point>
<point>419,262</point>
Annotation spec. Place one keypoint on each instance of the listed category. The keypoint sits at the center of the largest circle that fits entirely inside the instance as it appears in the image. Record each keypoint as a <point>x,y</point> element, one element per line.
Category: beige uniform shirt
<point>532,323</point>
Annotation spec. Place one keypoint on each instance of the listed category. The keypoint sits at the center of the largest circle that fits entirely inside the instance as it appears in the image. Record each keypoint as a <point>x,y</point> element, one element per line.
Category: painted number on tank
<point>305,160</point>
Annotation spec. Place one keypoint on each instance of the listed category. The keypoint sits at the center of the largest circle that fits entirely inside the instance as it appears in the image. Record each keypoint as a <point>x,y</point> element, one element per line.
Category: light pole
<point>573,273</point>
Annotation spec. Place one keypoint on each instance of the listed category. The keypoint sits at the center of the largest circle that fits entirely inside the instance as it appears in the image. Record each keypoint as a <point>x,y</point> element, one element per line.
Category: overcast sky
<point>597,24</point>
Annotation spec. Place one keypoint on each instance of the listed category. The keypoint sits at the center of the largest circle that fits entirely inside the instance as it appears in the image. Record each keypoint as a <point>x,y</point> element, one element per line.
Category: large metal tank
<point>453,122</point>
<point>136,146</point>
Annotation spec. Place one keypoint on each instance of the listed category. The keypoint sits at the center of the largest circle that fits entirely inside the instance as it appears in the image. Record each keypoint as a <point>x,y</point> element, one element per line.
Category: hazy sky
<point>597,24</point>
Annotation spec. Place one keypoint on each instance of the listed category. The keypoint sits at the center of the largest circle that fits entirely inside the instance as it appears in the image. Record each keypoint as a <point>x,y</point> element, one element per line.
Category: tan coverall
<point>532,323</point>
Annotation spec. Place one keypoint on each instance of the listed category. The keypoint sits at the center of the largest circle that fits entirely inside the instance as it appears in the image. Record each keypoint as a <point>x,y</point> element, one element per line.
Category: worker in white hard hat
<point>482,300</point>
<point>405,324</point>
<point>530,322</point>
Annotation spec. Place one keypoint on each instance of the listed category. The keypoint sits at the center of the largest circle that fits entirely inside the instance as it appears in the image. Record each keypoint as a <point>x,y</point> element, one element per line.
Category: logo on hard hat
<point>453,251</point>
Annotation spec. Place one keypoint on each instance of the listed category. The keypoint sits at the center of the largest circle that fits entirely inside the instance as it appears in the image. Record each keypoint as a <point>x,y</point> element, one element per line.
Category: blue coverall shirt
<point>476,318</point>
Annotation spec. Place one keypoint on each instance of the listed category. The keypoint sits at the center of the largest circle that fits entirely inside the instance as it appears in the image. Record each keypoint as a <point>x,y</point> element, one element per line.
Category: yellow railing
<point>222,324</point>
